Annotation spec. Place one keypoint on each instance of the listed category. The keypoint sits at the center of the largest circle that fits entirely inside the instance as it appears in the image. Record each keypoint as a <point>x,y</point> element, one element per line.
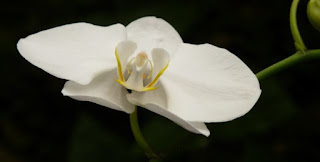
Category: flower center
<point>141,59</point>
<point>138,72</point>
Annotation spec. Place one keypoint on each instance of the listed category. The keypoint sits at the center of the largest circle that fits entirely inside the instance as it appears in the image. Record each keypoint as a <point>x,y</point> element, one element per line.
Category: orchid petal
<point>103,90</point>
<point>156,101</point>
<point>209,84</point>
<point>123,51</point>
<point>161,59</point>
<point>77,52</point>
<point>152,32</point>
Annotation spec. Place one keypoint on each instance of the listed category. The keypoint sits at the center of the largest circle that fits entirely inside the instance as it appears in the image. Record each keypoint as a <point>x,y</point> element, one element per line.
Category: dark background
<point>38,124</point>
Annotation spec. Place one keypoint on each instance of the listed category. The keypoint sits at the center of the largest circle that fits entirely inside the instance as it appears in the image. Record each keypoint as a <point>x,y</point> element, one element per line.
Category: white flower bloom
<point>189,84</point>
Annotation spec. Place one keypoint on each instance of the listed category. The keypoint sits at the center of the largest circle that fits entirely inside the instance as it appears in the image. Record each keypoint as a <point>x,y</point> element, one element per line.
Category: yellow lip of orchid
<point>140,60</point>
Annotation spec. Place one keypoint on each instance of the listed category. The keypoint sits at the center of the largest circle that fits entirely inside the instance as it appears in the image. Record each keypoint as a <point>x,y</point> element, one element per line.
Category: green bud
<point>313,11</point>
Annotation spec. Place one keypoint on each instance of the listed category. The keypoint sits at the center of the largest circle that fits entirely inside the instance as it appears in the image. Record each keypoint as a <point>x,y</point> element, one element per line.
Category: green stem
<point>298,42</point>
<point>288,62</point>
<point>139,137</point>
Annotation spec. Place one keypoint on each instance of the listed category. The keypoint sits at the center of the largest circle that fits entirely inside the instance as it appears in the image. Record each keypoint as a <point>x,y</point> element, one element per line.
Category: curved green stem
<point>298,42</point>
<point>139,137</point>
<point>288,62</point>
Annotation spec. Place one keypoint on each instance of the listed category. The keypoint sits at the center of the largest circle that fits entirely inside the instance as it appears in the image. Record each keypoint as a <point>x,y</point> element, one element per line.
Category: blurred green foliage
<point>38,124</point>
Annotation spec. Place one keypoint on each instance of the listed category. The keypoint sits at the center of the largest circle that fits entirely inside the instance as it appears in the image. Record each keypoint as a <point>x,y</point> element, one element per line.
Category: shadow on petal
<point>103,90</point>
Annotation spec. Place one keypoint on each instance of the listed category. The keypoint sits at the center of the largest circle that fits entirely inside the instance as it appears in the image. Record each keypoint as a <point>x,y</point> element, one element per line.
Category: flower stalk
<point>301,55</point>
<point>288,62</point>
<point>139,137</point>
<point>298,42</point>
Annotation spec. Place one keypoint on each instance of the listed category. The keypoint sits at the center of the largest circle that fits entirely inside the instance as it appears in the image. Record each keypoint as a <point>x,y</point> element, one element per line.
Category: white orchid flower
<point>188,84</point>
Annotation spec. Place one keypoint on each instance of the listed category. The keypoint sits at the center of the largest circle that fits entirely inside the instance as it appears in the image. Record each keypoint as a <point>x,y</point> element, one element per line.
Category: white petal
<point>205,83</point>
<point>76,52</point>
<point>160,59</point>
<point>156,101</point>
<point>103,90</point>
<point>152,32</point>
<point>125,49</point>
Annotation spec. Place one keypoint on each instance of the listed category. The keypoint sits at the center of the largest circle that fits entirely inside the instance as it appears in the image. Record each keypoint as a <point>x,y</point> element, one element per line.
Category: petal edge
<point>77,52</point>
